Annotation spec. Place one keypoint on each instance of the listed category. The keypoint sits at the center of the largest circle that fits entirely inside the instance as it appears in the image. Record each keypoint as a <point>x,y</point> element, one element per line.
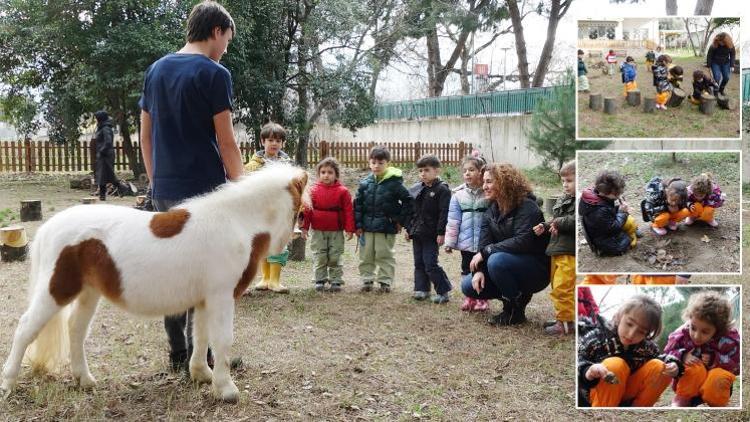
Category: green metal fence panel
<point>746,86</point>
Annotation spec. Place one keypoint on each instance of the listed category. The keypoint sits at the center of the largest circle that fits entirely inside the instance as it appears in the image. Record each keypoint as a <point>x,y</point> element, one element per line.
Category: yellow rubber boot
<point>275,280</point>
<point>631,227</point>
<point>265,282</point>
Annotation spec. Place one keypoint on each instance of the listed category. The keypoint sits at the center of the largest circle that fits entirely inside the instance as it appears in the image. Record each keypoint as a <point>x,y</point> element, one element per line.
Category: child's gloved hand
<point>671,370</point>
<point>538,229</point>
<point>440,240</point>
<point>553,230</point>
<point>359,232</point>
<point>689,359</point>
<point>596,371</point>
<point>304,234</point>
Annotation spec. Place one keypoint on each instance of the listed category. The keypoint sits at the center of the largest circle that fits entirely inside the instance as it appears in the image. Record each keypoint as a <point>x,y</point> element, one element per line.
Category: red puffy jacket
<point>331,208</point>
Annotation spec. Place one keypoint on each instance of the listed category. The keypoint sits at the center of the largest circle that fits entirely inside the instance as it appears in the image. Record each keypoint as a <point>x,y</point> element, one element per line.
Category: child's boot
<point>713,223</point>
<point>681,401</point>
<point>265,270</point>
<point>560,328</point>
<point>468,304</point>
<point>672,225</point>
<point>689,221</point>
<point>481,305</point>
<point>661,231</point>
<point>275,280</point>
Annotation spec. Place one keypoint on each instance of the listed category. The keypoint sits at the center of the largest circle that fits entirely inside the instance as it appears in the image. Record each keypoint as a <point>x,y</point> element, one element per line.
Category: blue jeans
<point>508,275</point>
<point>721,74</point>
<point>427,268</point>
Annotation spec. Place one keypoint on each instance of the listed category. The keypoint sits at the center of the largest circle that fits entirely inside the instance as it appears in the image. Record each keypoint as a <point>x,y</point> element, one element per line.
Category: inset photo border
<point>622,83</point>
<point>624,225</point>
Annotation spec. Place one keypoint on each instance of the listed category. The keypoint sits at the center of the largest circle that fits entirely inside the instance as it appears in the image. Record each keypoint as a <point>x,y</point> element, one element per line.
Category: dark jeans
<point>508,275</point>
<point>721,74</point>
<point>179,327</point>
<point>466,257</point>
<point>427,268</point>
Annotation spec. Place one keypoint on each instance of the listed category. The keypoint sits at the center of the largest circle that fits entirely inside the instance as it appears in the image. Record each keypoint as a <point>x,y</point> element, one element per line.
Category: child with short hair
<point>618,362</point>
<point>709,348</point>
<point>702,85</point>
<point>330,214</point>
<point>629,75</point>
<point>611,59</point>
<point>272,137</point>
<point>465,213</point>
<point>650,59</point>
<point>704,196</point>
<point>382,207</point>
<point>675,76</point>
<point>431,197</point>
<point>609,228</point>
<point>583,80</point>
<point>562,249</point>
<point>665,204</point>
<point>661,81</point>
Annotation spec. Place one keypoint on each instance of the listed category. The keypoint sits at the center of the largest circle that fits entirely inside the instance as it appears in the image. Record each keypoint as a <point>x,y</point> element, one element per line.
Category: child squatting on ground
<point>661,81</point>
<point>618,362</point>
<point>709,348</point>
<point>629,75</point>
<point>382,207</point>
<point>561,248</point>
<point>465,214</point>
<point>704,196</point>
<point>609,228</point>
<point>272,137</point>
<point>702,85</point>
<point>331,213</point>
<point>665,204</point>
<point>426,230</point>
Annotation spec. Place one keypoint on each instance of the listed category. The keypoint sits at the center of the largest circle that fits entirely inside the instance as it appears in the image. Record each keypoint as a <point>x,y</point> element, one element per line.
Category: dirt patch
<point>685,121</point>
<point>693,249</point>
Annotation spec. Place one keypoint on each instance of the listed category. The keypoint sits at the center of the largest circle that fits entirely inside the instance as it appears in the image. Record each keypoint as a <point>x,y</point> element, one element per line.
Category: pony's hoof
<point>86,382</point>
<point>228,394</point>
<point>201,375</point>
<point>5,389</point>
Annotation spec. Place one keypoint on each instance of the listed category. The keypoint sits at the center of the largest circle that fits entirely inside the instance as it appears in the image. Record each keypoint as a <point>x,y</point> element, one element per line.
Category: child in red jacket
<point>330,215</point>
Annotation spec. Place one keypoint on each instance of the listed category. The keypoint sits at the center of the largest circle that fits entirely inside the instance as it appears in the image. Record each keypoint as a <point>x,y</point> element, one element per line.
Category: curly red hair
<point>510,187</point>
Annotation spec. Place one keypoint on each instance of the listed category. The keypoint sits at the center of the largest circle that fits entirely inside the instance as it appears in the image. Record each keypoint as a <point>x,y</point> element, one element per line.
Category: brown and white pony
<point>201,254</point>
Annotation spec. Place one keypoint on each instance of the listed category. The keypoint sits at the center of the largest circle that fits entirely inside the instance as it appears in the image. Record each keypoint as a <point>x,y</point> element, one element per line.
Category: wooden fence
<point>45,156</point>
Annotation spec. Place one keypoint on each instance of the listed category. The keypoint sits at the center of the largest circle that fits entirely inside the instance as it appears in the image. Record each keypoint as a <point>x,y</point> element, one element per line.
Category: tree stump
<point>676,97</point>
<point>649,105</point>
<point>595,102</point>
<point>89,200</point>
<point>723,102</point>
<point>13,243</point>
<point>297,246</point>
<point>82,183</point>
<point>549,203</point>
<point>634,98</point>
<point>609,105</point>
<point>31,210</point>
<point>708,105</point>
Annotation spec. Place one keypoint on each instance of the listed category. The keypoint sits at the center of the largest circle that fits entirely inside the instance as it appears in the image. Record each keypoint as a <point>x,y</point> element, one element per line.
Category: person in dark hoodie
<point>720,58</point>
<point>511,264</point>
<point>609,228</point>
<point>432,198</point>
<point>105,153</point>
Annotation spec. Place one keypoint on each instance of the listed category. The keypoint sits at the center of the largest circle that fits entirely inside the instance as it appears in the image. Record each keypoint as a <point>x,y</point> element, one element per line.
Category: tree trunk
<point>127,145</point>
<point>634,98</point>
<point>671,7</point>
<point>649,105</point>
<point>557,11</point>
<point>13,243</point>
<point>609,105</point>
<point>703,7</point>
<point>523,64</point>
<point>595,101</point>
<point>708,105</point>
<point>690,36</point>
<point>465,86</point>
<point>31,210</point>
<point>433,64</point>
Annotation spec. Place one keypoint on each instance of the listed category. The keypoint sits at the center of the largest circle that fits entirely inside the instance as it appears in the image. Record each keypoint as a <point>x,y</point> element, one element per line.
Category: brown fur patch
<point>87,262</point>
<point>259,250</point>
<point>170,223</point>
<point>296,188</point>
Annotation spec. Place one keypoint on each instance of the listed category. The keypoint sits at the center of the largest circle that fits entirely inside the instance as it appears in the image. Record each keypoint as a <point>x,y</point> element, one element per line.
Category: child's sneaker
<point>335,287</point>
<point>689,221</point>
<point>661,231</point>
<point>549,323</point>
<point>384,288</point>
<point>672,226</point>
<point>681,401</point>
<point>481,305</point>
<point>468,304</point>
<point>420,295</point>
<point>638,235</point>
<point>366,287</point>
<point>560,328</point>
<point>320,286</point>
<point>713,223</point>
<point>440,299</point>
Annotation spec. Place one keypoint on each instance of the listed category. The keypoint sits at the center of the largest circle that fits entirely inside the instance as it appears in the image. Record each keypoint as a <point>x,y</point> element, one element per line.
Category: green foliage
<point>20,110</point>
<point>7,216</point>
<point>552,133</point>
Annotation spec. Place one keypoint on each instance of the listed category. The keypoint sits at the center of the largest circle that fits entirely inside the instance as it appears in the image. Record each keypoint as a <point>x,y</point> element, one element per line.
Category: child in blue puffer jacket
<point>465,212</point>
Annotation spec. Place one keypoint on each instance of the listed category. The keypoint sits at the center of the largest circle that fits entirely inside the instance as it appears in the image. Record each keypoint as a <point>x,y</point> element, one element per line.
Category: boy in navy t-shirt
<point>187,139</point>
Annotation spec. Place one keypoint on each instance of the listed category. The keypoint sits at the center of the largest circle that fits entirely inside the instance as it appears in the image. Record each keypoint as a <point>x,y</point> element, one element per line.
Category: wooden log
<point>297,246</point>
<point>13,243</point>
<point>89,200</point>
<point>595,101</point>
<point>676,98</point>
<point>609,105</point>
<point>31,210</point>
<point>708,105</point>
<point>649,105</point>
<point>634,98</point>
<point>724,102</point>
<point>549,203</point>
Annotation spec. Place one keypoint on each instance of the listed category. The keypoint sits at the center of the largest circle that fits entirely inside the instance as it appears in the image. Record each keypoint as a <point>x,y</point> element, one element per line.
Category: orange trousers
<point>713,386</point>
<point>599,279</point>
<point>663,219</point>
<point>563,282</point>
<point>701,212</point>
<point>652,279</point>
<point>629,86</point>
<point>662,97</point>
<point>643,387</point>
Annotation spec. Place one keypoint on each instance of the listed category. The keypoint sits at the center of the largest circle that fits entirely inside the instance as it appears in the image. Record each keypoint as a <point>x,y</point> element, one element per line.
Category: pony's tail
<point>50,351</point>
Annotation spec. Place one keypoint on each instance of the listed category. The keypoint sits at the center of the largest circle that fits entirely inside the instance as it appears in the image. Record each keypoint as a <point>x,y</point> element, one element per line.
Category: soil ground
<point>693,249</point>
<point>685,121</point>
<point>312,356</point>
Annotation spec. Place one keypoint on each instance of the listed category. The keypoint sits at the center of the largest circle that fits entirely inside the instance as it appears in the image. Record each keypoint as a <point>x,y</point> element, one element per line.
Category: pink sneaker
<point>713,223</point>
<point>468,304</point>
<point>481,305</point>
<point>681,401</point>
<point>661,231</point>
<point>672,226</point>
<point>689,221</point>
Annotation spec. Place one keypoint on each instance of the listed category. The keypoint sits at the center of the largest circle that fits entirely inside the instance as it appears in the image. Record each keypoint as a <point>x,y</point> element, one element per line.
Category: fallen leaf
<point>705,238</point>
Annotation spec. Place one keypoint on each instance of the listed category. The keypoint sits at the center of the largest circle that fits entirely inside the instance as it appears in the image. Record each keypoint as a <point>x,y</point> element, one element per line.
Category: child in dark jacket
<point>609,228</point>
<point>330,215</point>
<point>661,81</point>
<point>709,348</point>
<point>562,249</point>
<point>618,362</point>
<point>629,75</point>
<point>665,204</point>
<point>702,85</point>
<point>583,80</point>
<point>381,208</point>
<point>432,197</point>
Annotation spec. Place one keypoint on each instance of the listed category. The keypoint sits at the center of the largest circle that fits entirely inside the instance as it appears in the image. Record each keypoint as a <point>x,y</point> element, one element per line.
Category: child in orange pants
<point>709,348</point>
<point>665,204</point>
<point>618,362</point>
<point>661,81</point>
<point>704,196</point>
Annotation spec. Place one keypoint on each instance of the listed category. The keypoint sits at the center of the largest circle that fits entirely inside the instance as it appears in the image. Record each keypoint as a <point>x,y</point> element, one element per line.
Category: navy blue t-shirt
<point>182,93</point>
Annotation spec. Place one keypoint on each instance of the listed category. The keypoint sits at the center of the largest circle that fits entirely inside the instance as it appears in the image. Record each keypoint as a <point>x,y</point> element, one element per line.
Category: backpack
<point>653,203</point>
